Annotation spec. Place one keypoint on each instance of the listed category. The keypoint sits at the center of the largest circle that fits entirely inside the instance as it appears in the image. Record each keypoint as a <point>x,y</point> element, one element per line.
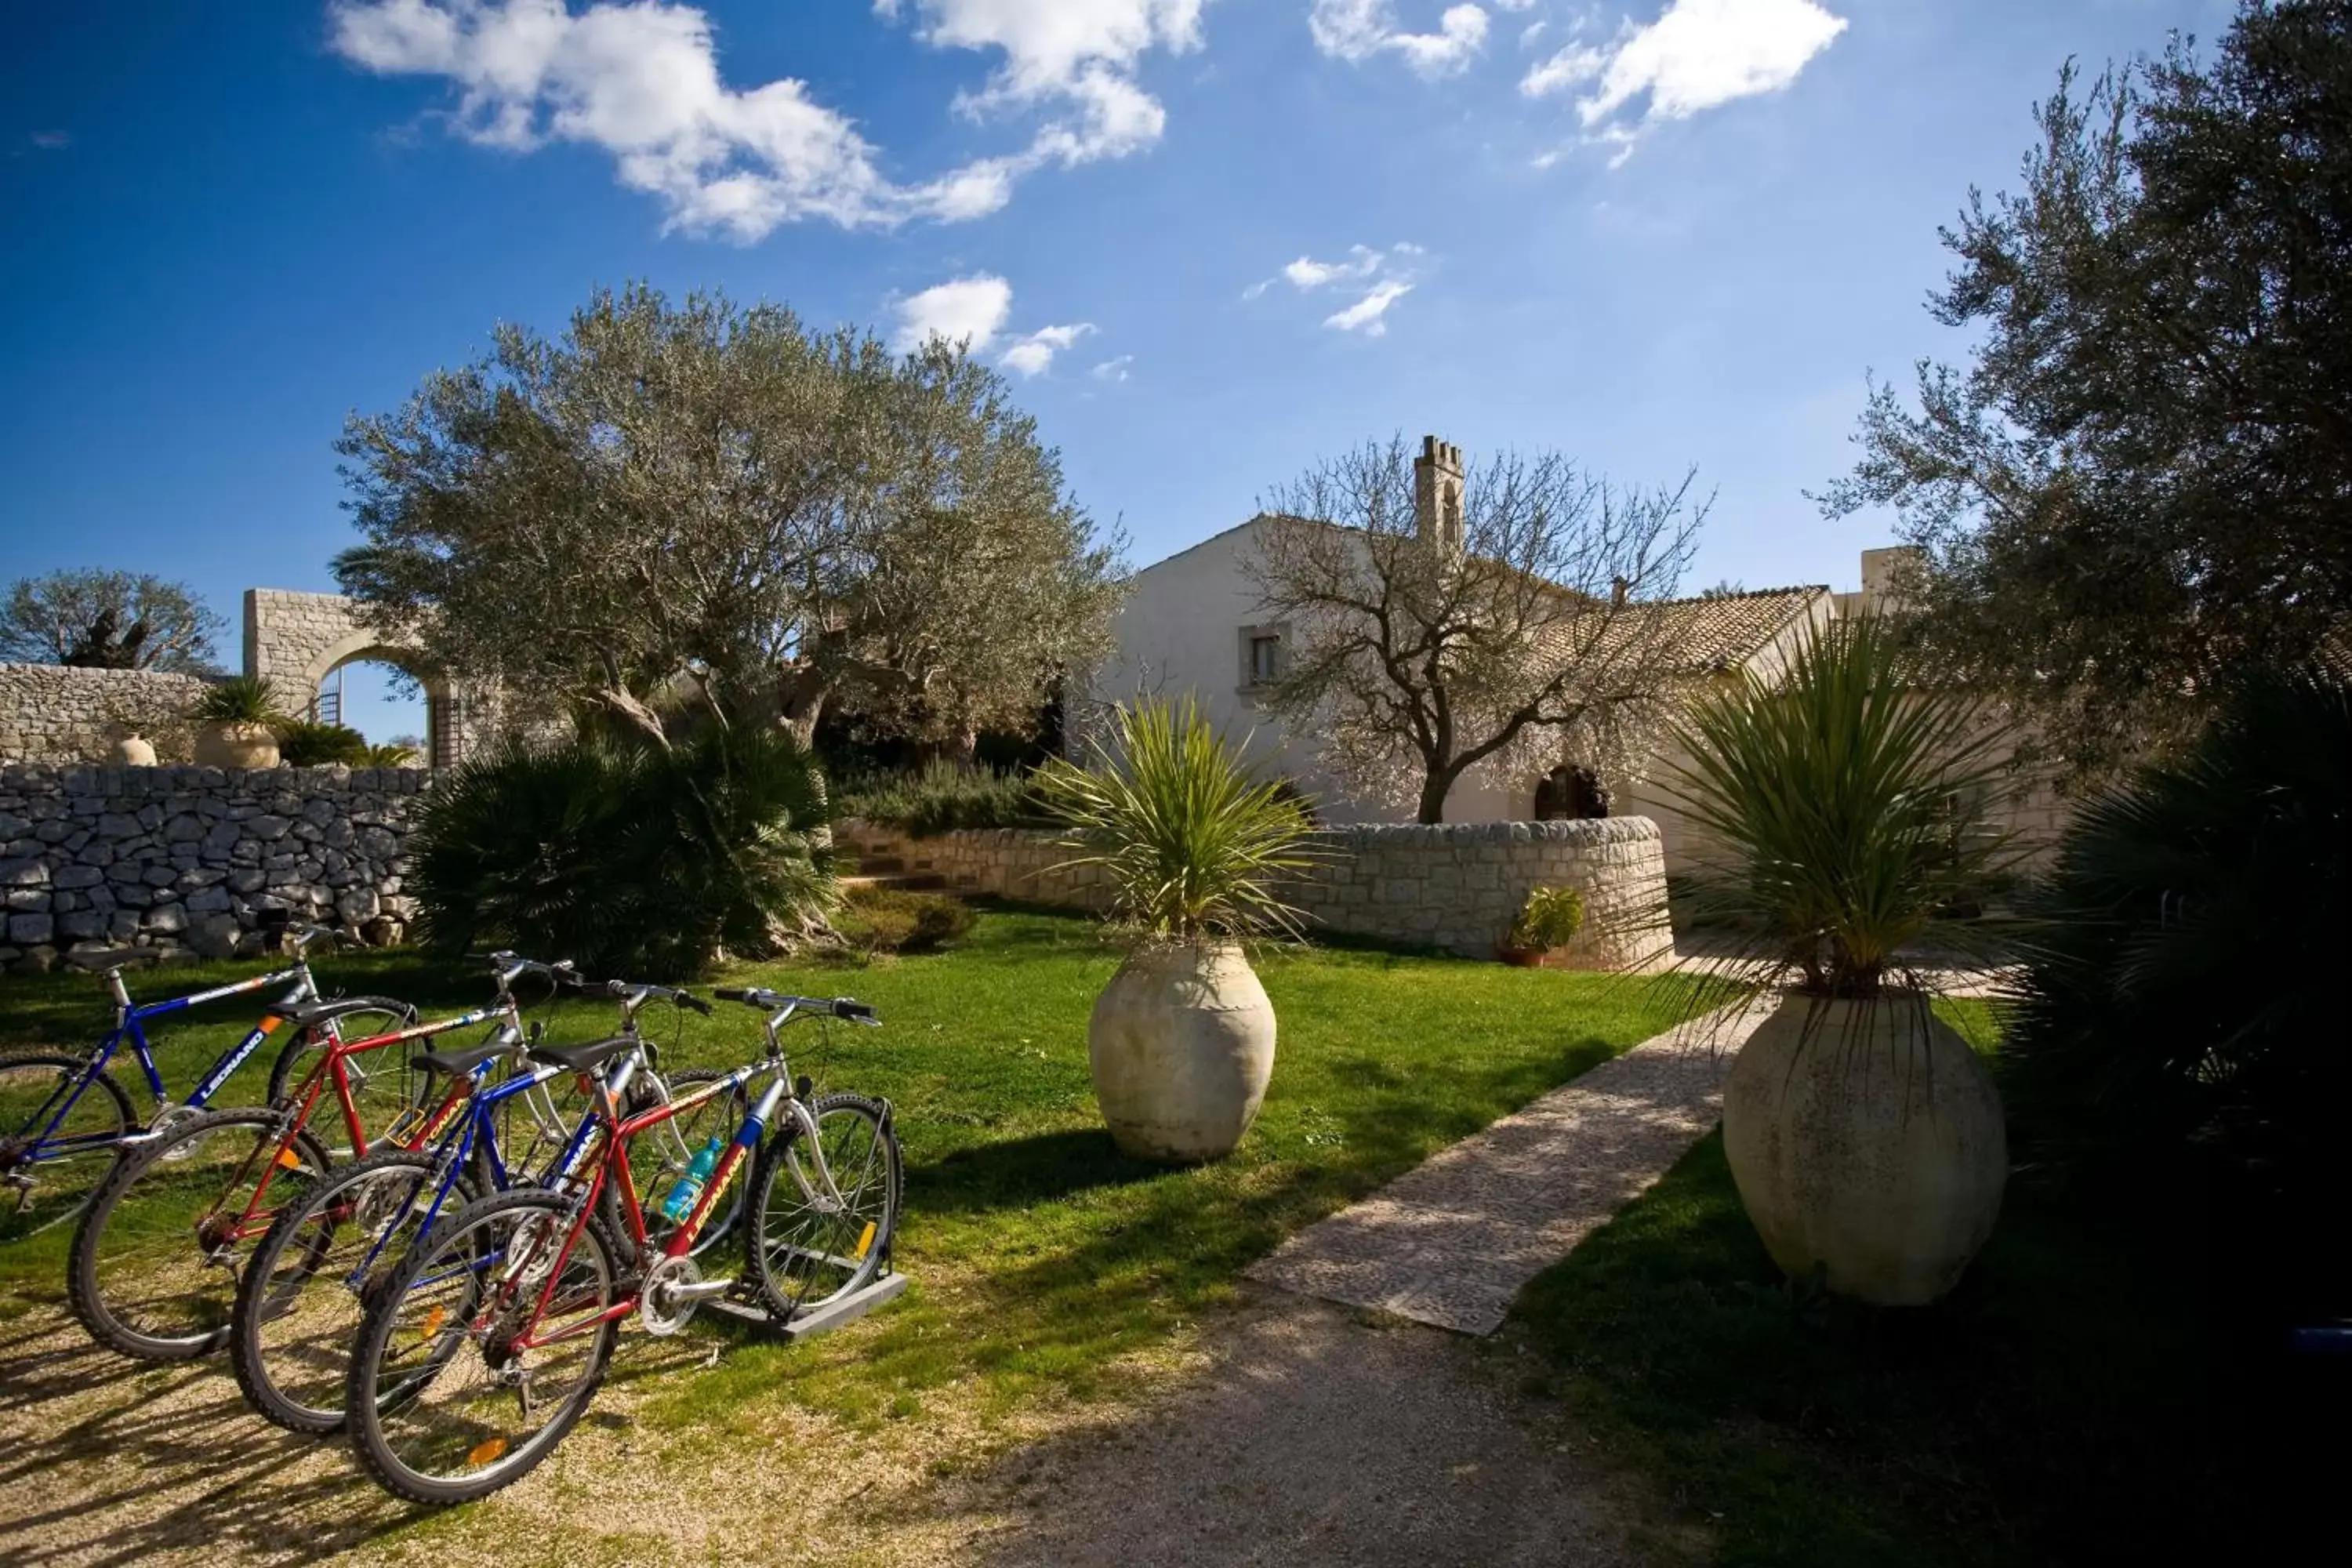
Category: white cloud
<point>1356,30</point>
<point>962,309</point>
<point>1368,314</point>
<point>1074,59</point>
<point>1378,278</point>
<point>642,83</point>
<point>1698,55</point>
<point>1530,33</point>
<point>1035,354</point>
<point>1112,369</point>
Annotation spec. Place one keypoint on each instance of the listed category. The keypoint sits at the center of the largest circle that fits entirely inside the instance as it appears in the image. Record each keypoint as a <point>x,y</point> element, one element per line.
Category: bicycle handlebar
<point>668,993</point>
<point>844,1008</point>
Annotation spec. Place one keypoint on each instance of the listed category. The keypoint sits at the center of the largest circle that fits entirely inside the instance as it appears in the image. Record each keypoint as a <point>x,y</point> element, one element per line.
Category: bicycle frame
<point>128,1017</point>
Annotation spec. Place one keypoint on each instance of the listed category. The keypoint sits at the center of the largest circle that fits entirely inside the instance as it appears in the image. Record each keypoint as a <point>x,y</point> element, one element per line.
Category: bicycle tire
<point>295,1377</point>
<point>491,1461</point>
<point>98,1281</point>
<point>72,1178</point>
<point>829,1255</point>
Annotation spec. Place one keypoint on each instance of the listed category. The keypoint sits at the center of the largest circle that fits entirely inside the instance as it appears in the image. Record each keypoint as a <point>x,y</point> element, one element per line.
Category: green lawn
<point>2068,1403</point>
<point>1044,1262</point>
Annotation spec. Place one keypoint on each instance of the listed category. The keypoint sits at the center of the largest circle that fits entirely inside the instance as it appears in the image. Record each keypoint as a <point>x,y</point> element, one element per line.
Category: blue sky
<point>1211,241</point>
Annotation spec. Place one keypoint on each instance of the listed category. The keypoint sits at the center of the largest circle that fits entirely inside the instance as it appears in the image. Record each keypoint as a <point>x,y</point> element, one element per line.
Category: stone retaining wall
<point>189,858</point>
<point>56,713</point>
<point>1453,886</point>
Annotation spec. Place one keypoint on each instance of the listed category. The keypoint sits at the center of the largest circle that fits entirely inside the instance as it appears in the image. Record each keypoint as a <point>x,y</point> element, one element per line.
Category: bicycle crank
<point>674,1289</point>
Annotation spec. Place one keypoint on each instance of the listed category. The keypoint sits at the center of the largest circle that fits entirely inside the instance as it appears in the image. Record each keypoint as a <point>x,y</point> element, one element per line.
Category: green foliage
<point>1837,813</point>
<point>303,744</point>
<point>941,797</point>
<point>2138,483</point>
<point>891,920</point>
<point>629,860</point>
<point>1550,919</point>
<point>2183,996</point>
<point>239,700</point>
<point>390,754</point>
<point>1190,845</point>
<point>108,620</point>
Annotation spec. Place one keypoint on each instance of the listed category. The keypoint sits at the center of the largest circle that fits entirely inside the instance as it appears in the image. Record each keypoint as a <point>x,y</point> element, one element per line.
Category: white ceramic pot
<point>1867,1141</point>
<point>1181,1043</point>
<point>133,751</point>
<point>237,746</point>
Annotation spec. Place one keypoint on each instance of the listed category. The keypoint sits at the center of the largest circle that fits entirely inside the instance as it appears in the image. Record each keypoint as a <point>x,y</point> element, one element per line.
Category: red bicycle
<point>153,1271</point>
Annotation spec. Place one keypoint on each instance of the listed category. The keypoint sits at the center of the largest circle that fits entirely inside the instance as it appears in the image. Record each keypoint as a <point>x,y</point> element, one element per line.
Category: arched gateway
<point>296,640</point>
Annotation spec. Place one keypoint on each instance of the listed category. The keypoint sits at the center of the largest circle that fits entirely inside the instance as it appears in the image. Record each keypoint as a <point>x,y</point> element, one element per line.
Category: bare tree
<point>1436,620</point>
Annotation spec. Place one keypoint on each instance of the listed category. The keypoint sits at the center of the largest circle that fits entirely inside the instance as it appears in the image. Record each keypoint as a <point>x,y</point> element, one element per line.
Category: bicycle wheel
<point>301,1298</point>
<point>822,1218</point>
<point>444,1406</point>
<point>152,1272</point>
<point>37,1190</point>
<point>676,1143</point>
<point>383,1083</point>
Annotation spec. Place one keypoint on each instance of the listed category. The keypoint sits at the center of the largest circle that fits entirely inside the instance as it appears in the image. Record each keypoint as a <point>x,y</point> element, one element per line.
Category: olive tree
<point>717,505</point>
<point>108,620</point>
<point>1416,654</point>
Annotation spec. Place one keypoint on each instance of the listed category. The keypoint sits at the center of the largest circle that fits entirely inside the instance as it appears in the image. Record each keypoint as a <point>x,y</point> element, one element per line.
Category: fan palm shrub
<point>306,743</point>
<point>2180,1011</point>
<point>627,859</point>
<point>1193,852</point>
<point>239,700</point>
<point>1840,814</point>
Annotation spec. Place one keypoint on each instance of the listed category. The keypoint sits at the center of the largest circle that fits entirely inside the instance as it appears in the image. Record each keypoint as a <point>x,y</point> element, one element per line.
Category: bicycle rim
<point>444,1408</point>
<point>821,1227</point>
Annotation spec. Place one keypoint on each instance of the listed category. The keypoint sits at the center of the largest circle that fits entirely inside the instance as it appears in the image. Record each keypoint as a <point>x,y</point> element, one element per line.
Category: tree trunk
<point>1434,787</point>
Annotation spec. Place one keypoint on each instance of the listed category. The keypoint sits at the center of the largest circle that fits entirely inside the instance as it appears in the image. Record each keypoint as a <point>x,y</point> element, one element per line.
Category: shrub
<point>629,862</point>
<point>889,919</point>
<point>1190,845</point>
<point>1551,919</point>
<point>2180,994</point>
<point>941,797</point>
<point>238,700</point>
<point>304,744</point>
<point>391,754</point>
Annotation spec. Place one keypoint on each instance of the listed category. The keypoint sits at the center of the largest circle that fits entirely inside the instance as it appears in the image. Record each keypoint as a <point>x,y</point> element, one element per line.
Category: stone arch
<point>296,640</point>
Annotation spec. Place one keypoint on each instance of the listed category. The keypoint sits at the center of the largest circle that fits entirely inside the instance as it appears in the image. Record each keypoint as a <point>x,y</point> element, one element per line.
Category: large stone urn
<point>1181,1043</point>
<point>232,745</point>
<point>1867,1143</point>
<point>132,751</point>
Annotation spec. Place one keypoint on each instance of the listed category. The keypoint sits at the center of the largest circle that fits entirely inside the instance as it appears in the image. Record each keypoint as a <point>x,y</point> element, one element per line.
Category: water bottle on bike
<point>688,1187</point>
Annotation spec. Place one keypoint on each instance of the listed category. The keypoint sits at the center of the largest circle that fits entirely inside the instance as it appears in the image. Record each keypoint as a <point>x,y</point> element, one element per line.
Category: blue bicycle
<point>300,1300</point>
<point>63,1117</point>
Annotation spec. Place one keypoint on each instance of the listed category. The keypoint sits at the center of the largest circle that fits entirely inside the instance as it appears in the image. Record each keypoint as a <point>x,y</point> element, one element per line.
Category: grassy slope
<point>2064,1405</point>
<point>1041,1258</point>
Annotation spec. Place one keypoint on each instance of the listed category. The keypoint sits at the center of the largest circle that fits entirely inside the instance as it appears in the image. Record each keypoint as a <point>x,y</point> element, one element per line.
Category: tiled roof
<point>1718,632</point>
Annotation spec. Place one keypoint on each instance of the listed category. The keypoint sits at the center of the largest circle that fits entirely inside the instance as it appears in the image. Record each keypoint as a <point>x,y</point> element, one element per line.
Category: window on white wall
<point>1264,658</point>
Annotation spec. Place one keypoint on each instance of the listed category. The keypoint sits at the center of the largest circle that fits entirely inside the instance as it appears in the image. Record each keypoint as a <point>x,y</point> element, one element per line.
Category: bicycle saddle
<point>583,1058</point>
<point>112,958</point>
<point>458,1062</point>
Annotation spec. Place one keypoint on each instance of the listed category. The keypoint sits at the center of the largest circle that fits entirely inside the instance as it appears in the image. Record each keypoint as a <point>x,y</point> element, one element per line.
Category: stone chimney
<point>1437,495</point>
<point>1619,588</point>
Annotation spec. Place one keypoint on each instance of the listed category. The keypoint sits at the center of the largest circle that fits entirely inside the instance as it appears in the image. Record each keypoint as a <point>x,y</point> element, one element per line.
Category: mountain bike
<point>484,1348</point>
<point>63,1116</point>
<point>152,1270</point>
<point>299,1301</point>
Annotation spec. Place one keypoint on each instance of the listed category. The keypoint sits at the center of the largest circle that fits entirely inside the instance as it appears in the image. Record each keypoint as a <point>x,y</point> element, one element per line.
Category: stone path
<point>1452,1241</point>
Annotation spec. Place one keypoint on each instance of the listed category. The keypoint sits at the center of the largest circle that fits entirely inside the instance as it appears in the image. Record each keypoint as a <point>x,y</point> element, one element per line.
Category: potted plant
<point>1837,811</point>
<point>1191,850</point>
<point>235,721</point>
<point>1549,921</point>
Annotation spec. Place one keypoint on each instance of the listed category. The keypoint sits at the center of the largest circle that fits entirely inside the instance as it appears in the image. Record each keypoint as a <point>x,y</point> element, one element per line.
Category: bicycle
<point>152,1273</point>
<point>486,1345</point>
<point>299,1303</point>
<point>63,1115</point>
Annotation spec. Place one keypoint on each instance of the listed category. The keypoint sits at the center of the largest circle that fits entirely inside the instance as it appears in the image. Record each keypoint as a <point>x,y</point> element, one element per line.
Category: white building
<point>1194,622</point>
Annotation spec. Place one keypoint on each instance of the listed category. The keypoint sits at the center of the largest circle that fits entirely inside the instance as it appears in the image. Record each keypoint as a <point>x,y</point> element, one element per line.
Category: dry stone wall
<point>56,713</point>
<point>189,859</point>
<point>1453,886</point>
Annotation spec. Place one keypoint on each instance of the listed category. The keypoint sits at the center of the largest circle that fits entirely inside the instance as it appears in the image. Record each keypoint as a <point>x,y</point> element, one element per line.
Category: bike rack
<point>884,1287</point>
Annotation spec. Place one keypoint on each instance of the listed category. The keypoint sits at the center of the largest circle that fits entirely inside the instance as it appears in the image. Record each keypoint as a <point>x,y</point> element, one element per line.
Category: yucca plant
<point>626,860</point>
<point>239,700</point>
<point>1839,814</point>
<point>1190,845</point>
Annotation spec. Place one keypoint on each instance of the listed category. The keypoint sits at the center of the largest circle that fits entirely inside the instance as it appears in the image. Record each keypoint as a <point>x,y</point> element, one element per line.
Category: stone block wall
<point>1453,886</point>
<point>54,713</point>
<point>189,859</point>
